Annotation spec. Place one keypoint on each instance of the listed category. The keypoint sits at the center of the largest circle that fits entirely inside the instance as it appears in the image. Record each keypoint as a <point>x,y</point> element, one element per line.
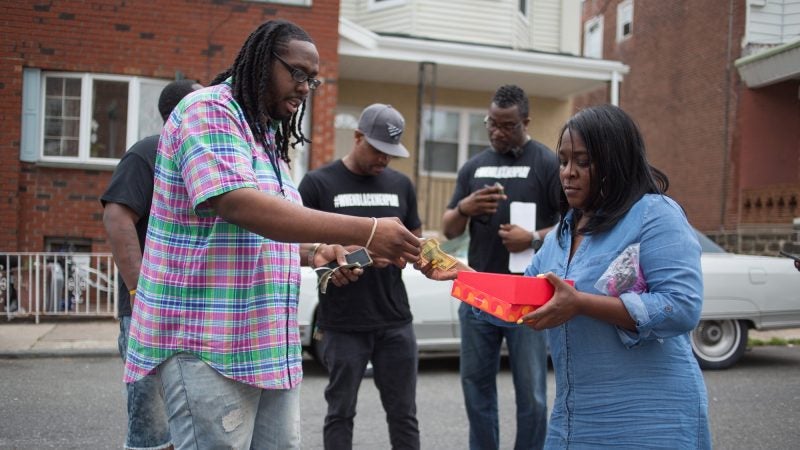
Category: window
<point>86,118</point>
<point>62,116</point>
<point>345,123</point>
<point>456,135</point>
<point>593,37</point>
<point>624,20</point>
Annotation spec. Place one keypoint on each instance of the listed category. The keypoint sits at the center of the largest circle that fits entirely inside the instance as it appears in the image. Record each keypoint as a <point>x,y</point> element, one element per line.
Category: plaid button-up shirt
<point>208,287</point>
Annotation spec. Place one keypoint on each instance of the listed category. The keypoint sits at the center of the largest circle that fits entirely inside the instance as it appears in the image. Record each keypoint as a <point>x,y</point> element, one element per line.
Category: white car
<point>740,292</point>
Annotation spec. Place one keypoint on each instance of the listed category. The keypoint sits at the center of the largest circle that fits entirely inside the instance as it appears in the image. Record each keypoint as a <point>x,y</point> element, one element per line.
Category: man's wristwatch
<point>536,242</point>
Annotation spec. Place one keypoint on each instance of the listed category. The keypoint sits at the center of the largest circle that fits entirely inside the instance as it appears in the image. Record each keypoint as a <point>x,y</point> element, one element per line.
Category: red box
<point>507,297</point>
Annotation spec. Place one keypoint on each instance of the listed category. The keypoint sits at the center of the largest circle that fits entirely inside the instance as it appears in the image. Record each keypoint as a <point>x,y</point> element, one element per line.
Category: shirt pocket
<point>591,269</point>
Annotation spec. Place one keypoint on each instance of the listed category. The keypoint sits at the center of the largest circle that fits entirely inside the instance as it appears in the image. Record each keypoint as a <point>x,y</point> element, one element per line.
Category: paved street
<point>77,402</point>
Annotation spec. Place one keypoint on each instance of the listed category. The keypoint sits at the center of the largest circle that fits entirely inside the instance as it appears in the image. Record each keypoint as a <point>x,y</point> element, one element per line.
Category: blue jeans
<point>147,416</point>
<point>393,352</point>
<point>209,411</point>
<point>481,342</point>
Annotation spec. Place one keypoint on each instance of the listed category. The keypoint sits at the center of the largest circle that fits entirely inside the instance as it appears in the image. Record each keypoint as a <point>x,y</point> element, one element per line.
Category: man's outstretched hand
<point>393,241</point>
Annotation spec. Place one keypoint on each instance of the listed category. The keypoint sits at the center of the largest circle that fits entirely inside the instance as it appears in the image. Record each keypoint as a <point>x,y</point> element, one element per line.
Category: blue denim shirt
<point>616,387</point>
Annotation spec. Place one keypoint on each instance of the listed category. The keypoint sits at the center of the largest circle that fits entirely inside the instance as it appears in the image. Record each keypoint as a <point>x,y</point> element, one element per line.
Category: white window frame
<point>624,16</point>
<point>376,5</point>
<point>84,133</point>
<point>463,139</point>
<point>588,51</point>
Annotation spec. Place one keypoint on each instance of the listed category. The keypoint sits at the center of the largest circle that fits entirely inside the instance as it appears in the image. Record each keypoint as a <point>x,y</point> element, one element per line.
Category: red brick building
<point>730,143</point>
<point>76,78</point>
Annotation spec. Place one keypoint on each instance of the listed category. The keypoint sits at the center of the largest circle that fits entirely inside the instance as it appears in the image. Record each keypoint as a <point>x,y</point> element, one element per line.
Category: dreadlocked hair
<point>251,72</point>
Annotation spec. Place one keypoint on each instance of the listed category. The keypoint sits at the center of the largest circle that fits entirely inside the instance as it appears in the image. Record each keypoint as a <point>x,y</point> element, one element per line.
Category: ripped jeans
<point>147,417</point>
<point>210,411</point>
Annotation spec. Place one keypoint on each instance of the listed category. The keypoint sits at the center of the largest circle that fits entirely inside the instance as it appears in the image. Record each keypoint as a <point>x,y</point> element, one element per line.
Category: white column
<point>615,80</point>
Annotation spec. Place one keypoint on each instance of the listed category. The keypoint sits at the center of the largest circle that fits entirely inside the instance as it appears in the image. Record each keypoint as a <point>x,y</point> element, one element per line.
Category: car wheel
<point>718,344</point>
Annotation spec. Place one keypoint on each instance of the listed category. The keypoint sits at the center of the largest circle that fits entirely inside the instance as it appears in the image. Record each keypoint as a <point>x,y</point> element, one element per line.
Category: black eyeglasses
<point>298,75</point>
<point>504,127</point>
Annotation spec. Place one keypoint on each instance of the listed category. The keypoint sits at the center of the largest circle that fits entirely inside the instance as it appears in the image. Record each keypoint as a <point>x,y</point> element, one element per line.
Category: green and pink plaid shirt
<point>208,287</point>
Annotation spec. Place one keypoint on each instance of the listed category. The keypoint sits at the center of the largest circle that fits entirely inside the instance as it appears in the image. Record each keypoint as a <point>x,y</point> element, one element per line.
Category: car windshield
<point>707,245</point>
<point>458,247</point>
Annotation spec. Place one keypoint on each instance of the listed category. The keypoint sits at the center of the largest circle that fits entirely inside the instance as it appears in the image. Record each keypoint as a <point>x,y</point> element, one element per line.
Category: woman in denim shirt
<point>619,340</point>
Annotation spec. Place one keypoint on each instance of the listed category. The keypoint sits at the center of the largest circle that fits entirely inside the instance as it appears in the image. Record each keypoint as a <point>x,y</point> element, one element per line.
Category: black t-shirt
<point>530,177</point>
<point>378,299</point>
<point>132,186</point>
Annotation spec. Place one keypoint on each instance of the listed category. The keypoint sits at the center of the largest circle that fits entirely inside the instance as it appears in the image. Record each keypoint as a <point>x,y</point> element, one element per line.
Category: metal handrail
<point>36,284</point>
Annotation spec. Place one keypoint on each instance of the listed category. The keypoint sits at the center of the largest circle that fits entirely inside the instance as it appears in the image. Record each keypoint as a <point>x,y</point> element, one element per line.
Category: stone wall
<point>767,240</point>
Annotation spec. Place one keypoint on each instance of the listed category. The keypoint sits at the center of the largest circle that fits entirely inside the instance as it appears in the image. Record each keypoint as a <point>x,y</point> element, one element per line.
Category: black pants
<point>393,353</point>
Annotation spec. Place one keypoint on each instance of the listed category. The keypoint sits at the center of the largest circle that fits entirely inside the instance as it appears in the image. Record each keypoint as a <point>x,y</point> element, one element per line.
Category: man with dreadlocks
<point>216,309</point>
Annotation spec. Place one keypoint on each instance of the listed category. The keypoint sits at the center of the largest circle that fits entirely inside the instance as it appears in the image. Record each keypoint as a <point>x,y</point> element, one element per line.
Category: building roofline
<point>771,66</point>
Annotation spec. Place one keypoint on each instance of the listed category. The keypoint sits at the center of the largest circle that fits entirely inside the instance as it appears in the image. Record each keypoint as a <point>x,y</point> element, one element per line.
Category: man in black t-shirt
<point>369,320</point>
<point>514,169</point>
<point>126,212</point>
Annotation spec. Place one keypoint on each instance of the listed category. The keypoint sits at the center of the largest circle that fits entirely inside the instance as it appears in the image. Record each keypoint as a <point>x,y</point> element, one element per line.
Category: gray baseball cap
<point>383,126</point>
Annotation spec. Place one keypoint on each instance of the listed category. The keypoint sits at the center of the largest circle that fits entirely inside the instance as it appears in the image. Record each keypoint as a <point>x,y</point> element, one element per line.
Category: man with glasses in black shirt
<point>515,168</point>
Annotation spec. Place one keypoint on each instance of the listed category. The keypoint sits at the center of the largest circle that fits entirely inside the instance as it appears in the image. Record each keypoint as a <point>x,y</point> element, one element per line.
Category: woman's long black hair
<point>252,72</point>
<point>620,173</point>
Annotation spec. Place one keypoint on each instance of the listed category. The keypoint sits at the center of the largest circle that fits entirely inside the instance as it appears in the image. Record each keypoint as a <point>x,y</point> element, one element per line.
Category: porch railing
<point>57,284</point>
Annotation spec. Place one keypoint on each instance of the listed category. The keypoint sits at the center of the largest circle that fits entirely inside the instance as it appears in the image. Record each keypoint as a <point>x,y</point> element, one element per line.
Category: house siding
<point>350,9</point>
<point>392,19</point>
<point>545,29</point>
<point>466,21</point>
<point>776,22</point>
<point>791,15</point>
<point>133,38</point>
<point>765,25</point>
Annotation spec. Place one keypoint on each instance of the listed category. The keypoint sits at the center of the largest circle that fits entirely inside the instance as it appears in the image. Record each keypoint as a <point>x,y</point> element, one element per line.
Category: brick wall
<point>197,38</point>
<point>725,148</point>
<point>60,203</point>
<point>676,91</point>
<point>774,204</point>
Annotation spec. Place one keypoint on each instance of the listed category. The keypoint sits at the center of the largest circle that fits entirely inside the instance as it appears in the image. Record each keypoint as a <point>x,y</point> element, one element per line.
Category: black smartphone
<point>790,255</point>
<point>358,258</point>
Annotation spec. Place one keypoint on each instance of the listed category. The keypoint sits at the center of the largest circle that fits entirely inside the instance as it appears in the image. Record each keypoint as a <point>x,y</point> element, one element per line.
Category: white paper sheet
<point>523,215</point>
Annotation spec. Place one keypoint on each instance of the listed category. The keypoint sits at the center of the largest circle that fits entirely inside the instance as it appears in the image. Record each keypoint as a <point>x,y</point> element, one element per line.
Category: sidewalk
<point>99,338</point>
<point>59,338</point>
